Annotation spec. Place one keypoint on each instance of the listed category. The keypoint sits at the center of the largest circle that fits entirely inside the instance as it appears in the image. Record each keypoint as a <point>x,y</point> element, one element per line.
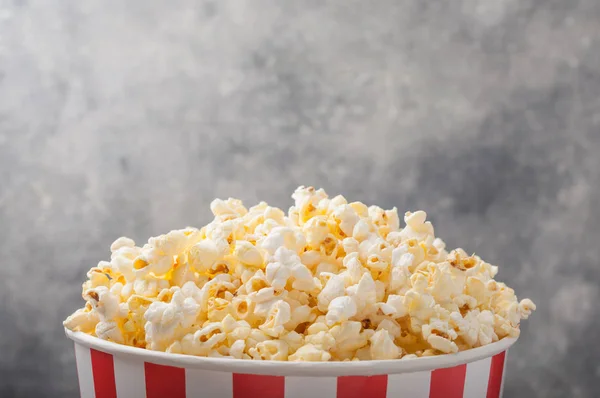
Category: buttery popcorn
<point>329,281</point>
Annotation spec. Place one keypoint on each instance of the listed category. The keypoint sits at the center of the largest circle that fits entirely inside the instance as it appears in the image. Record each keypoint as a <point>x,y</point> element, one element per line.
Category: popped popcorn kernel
<point>330,280</point>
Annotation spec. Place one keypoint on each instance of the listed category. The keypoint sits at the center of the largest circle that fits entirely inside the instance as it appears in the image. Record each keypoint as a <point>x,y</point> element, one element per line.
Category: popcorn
<point>323,340</point>
<point>266,300</point>
<point>526,307</point>
<point>346,218</point>
<point>157,256</point>
<point>362,230</point>
<point>379,290</point>
<point>326,267</point>
<point>364,292</point>
<point>376,263</point>
<point>82,320</point>
<point>109,331</point>
<point>149,287</point>
<point>318,326</point>
<point>335,287</point>
<point>391,326</point>
<point>329,247</point>
<point>350,245</point>
<point>310,353</point>
<point>256,336</point>
<point>241,332</point>
<point>440,335</point>
<point>163,319</point>
<point>218,308</point>
<point>340,309</point>
<point>316,230</point>
<point>224,233</point>
<point>185,273</point>
<point>104,302</point>
<point>335,202</point>
<point>442,343</point>
<point>242,307</point>
<point>401,258</point>
<point>294,340</point>
<point>275,214</point>
<point>256,282</point>
<point>248,254</point>
<point>204,340</point>
<point>363,354</point>
<point>301,314</point>
<point>287,265</point>
<point>306,201</point>
<point>237,349</point>
<point>214,288</point>
<point>122,258</point>
<point>203,255</point>
<point>279,315</point>
<point>392,219</point>
<point>399,279</point>
<point>283,237</point>
<point>228,208</point>
<point>121,242</point>
<point>349,337</point>
<point>397,302</point>
<point>310,258</point>
<point>96,278</point>
<point>331,280</point>
<point>277,275</point>
<point>354,269</point>
<point>273,350</point>
<point>416,226</point>
<point>383,347</point>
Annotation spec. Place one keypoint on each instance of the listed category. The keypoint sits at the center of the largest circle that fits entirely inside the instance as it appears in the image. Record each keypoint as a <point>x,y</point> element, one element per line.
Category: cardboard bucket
<point>109,370</point>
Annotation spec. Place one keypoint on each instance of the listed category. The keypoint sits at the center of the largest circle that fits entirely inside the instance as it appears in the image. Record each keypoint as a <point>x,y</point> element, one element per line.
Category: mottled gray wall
<point>128,117</point>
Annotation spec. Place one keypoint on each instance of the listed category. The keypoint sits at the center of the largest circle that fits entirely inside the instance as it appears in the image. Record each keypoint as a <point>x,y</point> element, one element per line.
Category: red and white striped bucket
<point>109,370</point>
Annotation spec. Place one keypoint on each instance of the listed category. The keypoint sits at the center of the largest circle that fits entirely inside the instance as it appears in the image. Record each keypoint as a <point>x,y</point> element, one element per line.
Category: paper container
<point>109,370</point>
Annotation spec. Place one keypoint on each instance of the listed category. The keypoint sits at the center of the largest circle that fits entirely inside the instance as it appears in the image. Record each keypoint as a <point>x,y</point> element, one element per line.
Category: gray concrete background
<point>127,118</point>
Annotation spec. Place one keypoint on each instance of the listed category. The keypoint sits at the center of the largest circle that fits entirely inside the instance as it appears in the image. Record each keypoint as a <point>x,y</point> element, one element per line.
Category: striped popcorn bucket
<point>109,370</point>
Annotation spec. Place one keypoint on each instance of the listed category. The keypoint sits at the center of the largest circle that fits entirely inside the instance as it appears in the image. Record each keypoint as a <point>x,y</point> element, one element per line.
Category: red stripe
<point>362,386</point>
<point>164,381</point>
<point>255,386</point>
<point>448,383</point>
<point>103,369</point>
<point>495,380</point>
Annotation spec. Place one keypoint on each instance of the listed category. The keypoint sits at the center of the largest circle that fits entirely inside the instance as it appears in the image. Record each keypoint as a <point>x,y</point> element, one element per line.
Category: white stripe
<point>310,387</point>
<point>503,373</point>
<point>477,377</point>
<point>409,385</point>
<point>84,371</point>
<point>129,378</point>
<point>207,383</point>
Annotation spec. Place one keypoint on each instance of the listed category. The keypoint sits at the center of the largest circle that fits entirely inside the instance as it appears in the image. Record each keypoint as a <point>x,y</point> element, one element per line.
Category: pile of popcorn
<point>329,281</point>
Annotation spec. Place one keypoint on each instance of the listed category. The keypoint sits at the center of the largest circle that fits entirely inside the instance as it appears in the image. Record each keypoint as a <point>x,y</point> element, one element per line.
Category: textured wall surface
<point>127,118</point>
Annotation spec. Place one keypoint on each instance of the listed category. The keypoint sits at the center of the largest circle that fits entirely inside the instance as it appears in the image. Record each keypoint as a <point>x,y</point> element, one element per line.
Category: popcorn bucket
<point>109,370</point>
